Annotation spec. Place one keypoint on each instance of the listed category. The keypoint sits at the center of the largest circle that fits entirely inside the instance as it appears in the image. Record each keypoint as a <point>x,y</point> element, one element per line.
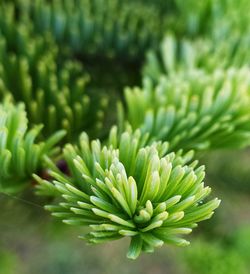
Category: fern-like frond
<point>129,189</point>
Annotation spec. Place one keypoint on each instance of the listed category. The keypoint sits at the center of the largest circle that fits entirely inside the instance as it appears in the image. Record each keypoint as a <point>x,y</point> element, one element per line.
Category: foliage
<point>52,86</point>
<point>128,189</point>
<point>193,109</point>
<point>142,181</point>
<point>90,25</point>
<point>20,155</point>
<point>184,55</point>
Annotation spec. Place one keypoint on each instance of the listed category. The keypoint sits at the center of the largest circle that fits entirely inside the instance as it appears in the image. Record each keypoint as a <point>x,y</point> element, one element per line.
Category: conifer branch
<point>20,153</point>
<point>129,189</point>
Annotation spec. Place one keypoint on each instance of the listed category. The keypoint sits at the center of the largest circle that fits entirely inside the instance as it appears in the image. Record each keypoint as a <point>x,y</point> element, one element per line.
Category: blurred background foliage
<point>220,245</point>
